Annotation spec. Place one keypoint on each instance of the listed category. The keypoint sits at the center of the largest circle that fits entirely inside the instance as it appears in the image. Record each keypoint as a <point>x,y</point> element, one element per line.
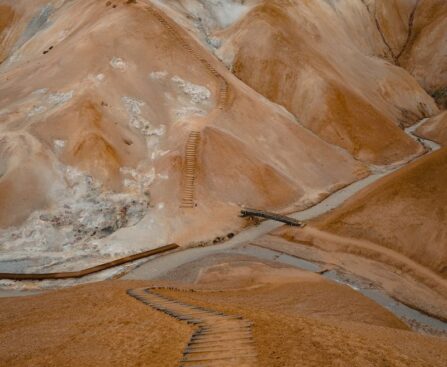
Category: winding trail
<point>219,340</point>
<point>192,146</point>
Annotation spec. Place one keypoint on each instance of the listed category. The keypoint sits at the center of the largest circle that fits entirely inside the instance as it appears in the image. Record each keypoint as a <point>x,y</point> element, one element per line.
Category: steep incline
<point>404,212</point>
<point>190,170</point>
<point>219,340</point>
<point>435,129</point>
<point>192,145</point>
<point>341,93</point>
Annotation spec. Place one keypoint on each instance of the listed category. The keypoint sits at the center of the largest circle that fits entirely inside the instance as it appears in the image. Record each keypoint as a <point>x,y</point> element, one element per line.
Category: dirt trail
<point>192,145</point>
<point>219,340</point>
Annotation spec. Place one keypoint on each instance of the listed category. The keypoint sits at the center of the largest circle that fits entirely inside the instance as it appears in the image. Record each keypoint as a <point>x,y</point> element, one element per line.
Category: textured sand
<point>299,319</point>
<point>93,325</point>
<point>302,323</point>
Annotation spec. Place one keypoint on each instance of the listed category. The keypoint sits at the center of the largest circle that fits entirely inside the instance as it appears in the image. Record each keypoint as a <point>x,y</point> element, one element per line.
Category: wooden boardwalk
<point>219,341</point>
<point>88,271</point>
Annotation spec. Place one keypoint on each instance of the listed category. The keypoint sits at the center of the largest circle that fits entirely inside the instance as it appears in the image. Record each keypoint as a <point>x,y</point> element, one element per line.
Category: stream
<point>417,320</point>
<point>156,267</point>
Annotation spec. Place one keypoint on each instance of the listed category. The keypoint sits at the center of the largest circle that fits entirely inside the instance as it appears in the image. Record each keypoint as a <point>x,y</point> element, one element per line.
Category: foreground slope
<point>315,323</point>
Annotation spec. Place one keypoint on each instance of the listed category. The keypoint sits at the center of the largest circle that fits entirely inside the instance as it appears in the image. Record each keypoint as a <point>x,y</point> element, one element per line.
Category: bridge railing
<point>247,212</point>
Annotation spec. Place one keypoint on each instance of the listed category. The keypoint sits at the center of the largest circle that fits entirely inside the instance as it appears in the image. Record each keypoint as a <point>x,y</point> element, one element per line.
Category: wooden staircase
<point>219,339</point>
<point>196,51</point>
<point>190,170</point>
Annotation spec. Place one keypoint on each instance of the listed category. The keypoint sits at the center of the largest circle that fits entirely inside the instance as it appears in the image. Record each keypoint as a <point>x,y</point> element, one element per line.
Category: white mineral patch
<point>40,91</point>
<point>216,13</point>
<point>47,102</point>
<point>159,131</point>
<point>96,78</point>
<point>198,94</point>
<point>62,35</point>
<point>214,42</point>
<point>133,105</point>
<point>137,121</point>
<point>69,232</point>
<point>138,180</point>
<point>226,12</point>
<point>140,123</point>
<point>156,153</point>
<point>158,75</point>
<point>59,145</point>
<point>59,98</point>
<point>118,63</point>
<point>184,112</point>
<point>36,110</point>
<point>161,206</point>
<point>163,176</point>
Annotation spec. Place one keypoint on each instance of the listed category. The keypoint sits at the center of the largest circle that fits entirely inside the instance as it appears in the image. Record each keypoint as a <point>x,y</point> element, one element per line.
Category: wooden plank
<point>88,271</point>
<point>246,212</point>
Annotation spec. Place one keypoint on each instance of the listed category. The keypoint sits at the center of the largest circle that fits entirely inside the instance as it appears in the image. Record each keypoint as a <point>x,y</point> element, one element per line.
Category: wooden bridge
<point>246,212</point>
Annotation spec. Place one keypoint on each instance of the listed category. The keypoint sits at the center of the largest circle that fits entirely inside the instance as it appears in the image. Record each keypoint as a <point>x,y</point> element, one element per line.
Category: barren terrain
<point>127,125</point>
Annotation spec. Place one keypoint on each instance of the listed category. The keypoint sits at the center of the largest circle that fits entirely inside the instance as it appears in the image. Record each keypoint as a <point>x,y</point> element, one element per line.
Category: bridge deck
<point>246,212</point>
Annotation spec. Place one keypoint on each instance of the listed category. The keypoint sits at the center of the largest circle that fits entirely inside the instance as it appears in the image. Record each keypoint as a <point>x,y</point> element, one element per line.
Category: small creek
<point>414,318</point>
<point>158,266</point>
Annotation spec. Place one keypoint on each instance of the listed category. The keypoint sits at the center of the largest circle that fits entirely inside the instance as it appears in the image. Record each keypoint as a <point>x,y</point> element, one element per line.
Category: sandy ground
<point>91,325</point>
<point>302,322</point>
<point>299,319</point>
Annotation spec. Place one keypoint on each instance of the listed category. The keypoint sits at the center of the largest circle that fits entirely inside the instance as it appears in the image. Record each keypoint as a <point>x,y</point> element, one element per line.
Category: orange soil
<point>435,129</point>
<point>289,68</point>
<point>407,281</point>
<point>404,212</point>
<point>425,57</point>
<point>299,319</point>
<point>393,18</point>
<point>95,144</point>
<point>96,125</point>
<point>6,19</point>
<point>92,325</point>
<point>291,291</point>
<point>289,334</point>
<point>398,221</point>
